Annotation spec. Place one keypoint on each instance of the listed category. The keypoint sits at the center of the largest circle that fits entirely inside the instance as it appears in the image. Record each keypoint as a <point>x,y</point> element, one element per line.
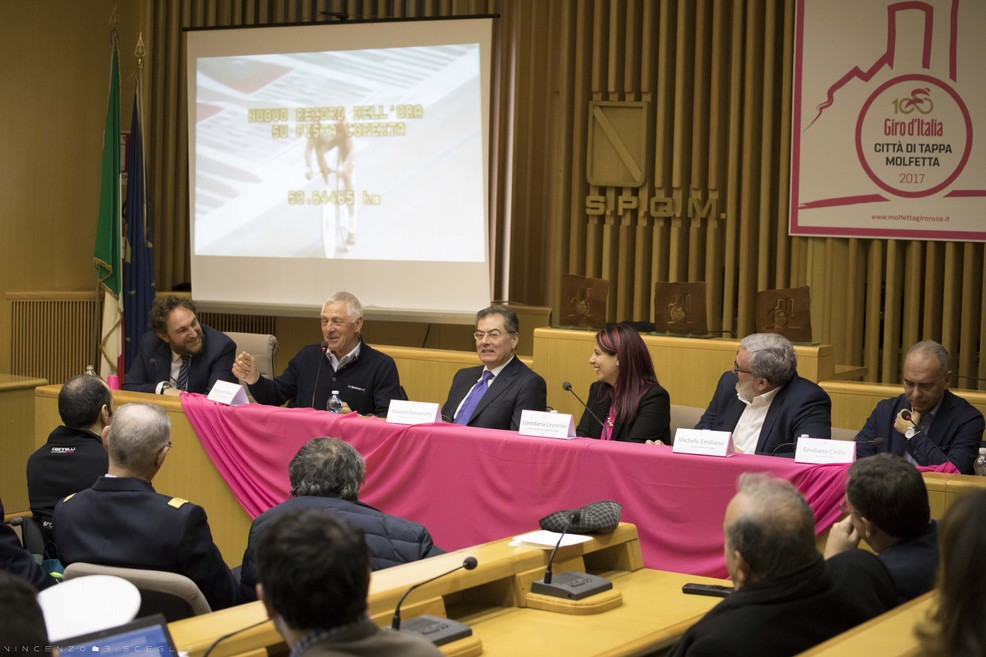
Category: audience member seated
<point>314,573</point>
<point>366,379</point>
<point>74,457</point>
<point>22,623</point>
<point>763,401</point>
<point>179,354</point>
<point>494,394</point>
<point>327,473</point>
<point>888,508</point>
<point>121,521</point>
<point>627,398</point>
<point>787,598</point>
<point>927,424</point>
<point>16,560</point>
<point>955,626</point>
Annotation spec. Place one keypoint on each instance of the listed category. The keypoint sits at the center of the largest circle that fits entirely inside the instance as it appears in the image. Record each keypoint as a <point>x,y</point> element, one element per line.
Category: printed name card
<point>546,425</point>
<point>231,394</point>
<point>823,450</point>
<point>703,442</point>
<point>411,412</point>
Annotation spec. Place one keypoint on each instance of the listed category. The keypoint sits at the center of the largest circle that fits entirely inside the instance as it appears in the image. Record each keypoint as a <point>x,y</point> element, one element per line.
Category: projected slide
<point>372,154</point>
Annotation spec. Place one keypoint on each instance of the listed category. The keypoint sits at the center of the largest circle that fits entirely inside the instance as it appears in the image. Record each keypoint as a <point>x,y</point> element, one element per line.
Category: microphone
<point>876,442</point>
<point>906,415</point>
<point>782,446</point>
<point>570,585</point>
<point>437,630</point>
<point>567,387</point>
<point>318,372</point>
<point>574,516</point>
<point>232,634</point>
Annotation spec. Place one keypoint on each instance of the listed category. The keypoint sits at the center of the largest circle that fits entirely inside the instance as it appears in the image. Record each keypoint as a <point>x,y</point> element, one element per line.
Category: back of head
<point>510,322</point>
<point>772,357</point>
<point>161,308</point>
<point>354,309</point>
<point>958,624</point>
<point>314,569</point>
<point>138,433</point>
<point>81,399</point>
<point>889,492</point>
<point>326,467</point>
<point>776,532</point>
<point>22,624</point>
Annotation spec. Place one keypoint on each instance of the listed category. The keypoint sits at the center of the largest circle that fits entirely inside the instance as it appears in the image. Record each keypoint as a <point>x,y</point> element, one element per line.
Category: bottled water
<point>335,404</point>
<point>980,465</point>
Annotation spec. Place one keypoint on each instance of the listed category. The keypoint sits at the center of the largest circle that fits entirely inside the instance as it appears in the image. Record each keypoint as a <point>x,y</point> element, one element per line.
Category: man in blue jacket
<point>763,401</point>
<point>327,473</point>
<point>927,424</point>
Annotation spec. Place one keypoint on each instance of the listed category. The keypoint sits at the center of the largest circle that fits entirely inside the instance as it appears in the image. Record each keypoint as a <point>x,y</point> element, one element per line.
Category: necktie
<point>183,373</point>
<point>472,399</point>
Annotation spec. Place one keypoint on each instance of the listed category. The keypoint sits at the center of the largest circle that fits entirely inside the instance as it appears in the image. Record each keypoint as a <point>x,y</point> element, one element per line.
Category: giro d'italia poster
<point>889,115</point>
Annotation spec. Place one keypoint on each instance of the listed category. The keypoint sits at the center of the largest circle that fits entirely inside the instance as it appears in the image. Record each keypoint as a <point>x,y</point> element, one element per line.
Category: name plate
<point>231,394</point>
<point>823,450</point>
<point>546,425</point>
<point>411,412</point>
<point>703,442</point>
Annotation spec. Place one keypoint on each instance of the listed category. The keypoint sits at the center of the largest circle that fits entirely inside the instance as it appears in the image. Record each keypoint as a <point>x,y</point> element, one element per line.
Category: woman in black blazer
<point>627,398</point>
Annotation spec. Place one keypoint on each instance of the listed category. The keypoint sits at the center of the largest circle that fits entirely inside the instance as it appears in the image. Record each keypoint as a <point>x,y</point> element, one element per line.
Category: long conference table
<point>469,485</point>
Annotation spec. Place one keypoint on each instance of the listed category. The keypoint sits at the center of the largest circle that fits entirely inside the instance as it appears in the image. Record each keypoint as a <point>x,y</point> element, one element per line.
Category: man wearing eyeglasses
<point>494,394</point>
<point>763,401</point>
<point>122,521</point>
<point>366,379</point>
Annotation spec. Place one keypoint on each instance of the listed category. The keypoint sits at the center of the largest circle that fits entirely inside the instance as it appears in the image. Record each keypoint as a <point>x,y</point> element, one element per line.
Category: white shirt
<point>339,362</point>
<point>746,435</point>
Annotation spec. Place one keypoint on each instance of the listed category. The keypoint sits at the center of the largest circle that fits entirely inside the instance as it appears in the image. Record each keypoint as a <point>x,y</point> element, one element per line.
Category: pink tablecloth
<point>469,485</point>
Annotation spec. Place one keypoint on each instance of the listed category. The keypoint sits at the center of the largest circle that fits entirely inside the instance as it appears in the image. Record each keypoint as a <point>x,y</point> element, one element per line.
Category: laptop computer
<point>143,637</point>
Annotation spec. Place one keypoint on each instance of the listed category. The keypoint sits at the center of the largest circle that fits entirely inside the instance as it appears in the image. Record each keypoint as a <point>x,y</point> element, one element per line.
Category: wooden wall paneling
<point>951,288</point>
<point>980,382</point>
<point>874,309</point>
<point>700,142</point>
<point>934,267</point>
<point>969,313</point>
<point>892,298</point>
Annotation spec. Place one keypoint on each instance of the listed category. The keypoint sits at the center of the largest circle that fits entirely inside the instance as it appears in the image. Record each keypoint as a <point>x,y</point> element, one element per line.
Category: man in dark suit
<point>763,401</point>
<point>73,458</point>
<point>494,394</point>
<point>179,354</point>
<point>928,424</point>
<point>122,521</point>
<point>786,598</point>
<point>327,473</point>
<point>887,506</point>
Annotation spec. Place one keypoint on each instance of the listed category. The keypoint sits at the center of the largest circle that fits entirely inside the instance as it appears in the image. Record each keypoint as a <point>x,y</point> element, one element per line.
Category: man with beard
<point>763,401</point>
<point>178,354</point>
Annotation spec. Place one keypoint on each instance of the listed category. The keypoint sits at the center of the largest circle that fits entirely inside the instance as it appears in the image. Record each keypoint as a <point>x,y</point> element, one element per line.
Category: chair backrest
<point>171,594</point>
<point>262,346</point>
<point>684,417</point>
<point>31,537</point>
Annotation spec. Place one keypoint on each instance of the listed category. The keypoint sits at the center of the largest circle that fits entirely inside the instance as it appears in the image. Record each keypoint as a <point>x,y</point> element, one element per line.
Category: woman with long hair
<point>626,403</point>
<point>957,625</point>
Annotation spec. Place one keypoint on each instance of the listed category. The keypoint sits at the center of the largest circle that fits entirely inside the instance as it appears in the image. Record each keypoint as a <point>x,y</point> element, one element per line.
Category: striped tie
<point>183,373</point>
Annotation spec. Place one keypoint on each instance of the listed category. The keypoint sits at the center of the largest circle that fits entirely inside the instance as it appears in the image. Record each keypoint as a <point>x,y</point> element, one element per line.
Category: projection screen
<point>347,156</point>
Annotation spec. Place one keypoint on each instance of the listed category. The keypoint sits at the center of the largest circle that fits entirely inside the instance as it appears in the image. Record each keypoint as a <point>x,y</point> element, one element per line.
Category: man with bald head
<point>928,425</point>
<point>787,598</point>
<point>122,521</point>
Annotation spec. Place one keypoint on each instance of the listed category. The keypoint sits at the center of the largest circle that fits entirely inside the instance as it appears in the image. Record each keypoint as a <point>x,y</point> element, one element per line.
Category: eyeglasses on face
<point>495,334</point>
<point>739,370</point>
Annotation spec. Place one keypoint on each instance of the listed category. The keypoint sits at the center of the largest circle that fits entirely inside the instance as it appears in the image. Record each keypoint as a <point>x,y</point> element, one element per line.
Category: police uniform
<point>121,521</point>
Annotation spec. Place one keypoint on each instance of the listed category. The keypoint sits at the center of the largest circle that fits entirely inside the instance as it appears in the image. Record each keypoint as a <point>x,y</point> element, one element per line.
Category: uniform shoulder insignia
<point>68,497</point>
<point>177,502</point>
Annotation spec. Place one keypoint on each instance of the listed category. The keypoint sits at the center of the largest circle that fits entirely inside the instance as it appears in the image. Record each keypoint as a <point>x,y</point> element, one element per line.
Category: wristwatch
<point>909,433</point>
<point>168,386</point>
